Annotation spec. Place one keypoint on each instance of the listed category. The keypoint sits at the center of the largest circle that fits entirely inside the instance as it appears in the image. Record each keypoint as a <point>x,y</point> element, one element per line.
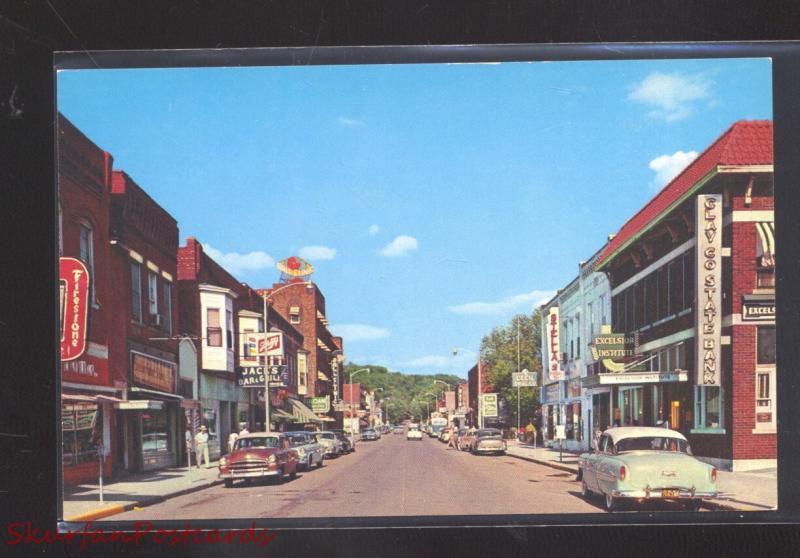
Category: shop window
<point>155,432</point>
<point>765,353</point>
<point>168,307</point>
<point>81,431</point>
<point>708,409</point>
<point>136,291</point>
<point>765,400</point>
<point>213,329</point>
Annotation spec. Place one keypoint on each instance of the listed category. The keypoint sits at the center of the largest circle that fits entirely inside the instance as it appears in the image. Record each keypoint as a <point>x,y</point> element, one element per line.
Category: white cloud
<point>351,122</point>
<point>234,262</point>
<point>526,300</point>
<point>317,253</point>
<point>670,96</point>
<point>373,230</point>
<point>359,332</point>
<point>457,364</point>
<point>400,246</point>
<point>668,167</point>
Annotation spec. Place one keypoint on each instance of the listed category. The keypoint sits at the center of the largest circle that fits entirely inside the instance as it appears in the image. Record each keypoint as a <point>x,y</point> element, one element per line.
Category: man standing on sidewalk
<point>201,445</point>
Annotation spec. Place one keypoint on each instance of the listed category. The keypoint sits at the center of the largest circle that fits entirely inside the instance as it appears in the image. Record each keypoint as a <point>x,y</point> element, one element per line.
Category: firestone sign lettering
<point>709,296</point>
<point>74,298</point>
<point>554,366</point>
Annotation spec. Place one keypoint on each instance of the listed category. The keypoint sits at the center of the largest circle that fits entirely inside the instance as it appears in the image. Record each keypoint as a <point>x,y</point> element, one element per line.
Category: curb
<point>148,501</point>
<point>550,464</point>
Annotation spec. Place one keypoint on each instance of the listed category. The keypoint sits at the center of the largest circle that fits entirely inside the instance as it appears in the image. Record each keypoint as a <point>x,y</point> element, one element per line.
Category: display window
<point>81,430</point>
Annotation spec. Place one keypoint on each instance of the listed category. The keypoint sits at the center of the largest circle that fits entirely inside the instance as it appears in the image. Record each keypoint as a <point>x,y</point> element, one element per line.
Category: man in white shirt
<point>201,445</point>
<point>243,429</point>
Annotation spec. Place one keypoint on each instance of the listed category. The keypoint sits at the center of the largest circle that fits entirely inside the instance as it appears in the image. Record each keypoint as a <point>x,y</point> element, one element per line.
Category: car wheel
<point>692,505</point>
<point>585,492</point>
<point>308,465</point>
<point>501,452</point>
<point>279,476</point>
<point>612,503</point>
<point>319,463</point>
<point>228,483</point>
<point>293,474</point>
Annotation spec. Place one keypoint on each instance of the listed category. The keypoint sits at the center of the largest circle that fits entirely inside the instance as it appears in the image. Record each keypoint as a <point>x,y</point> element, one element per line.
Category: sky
<point>435,201</point>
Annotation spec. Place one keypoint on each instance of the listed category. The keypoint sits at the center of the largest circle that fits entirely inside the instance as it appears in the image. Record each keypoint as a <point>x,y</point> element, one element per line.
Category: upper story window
<point>213,328</point>
<point>229,328</point>
<point>168,307</point>
<point>294,314</point>
<point>136,291</point>
<point>152,293</point>
<point>87,254</point>
<point>765,255</point>
<point>765,353</point>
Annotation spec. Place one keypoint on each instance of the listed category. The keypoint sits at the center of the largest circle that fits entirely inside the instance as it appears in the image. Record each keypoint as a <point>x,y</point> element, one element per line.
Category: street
<point>391,477</point>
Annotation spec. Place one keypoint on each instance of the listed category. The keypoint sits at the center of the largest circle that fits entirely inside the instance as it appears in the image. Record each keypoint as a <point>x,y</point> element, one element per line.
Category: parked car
<point>333,446</point>
<point>369,434</point>
<point>488,440</point>
<point>308,449</point>
<point>344,437</point>
<point>639,463</point>
<point>414,433</point>
<point>398,429</point>
<point>259,455</point>
<point>444,437</point>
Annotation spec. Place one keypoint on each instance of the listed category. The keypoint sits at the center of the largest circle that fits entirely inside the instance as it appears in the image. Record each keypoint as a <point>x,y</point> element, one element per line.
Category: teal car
<point>640,464</point>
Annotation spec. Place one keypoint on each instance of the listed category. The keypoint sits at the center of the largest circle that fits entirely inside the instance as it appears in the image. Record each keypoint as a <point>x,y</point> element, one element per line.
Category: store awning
<point>765,248</point>
<point>616,378</point>
<point>303,413</point>
<point>150,392</point>
<point>280,414</point>
<point>326,419</point>
<point>99,398</point>
<point>140,405</point>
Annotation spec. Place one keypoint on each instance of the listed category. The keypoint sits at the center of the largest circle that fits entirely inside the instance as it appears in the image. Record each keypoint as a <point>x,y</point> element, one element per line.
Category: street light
<point>309,285</point>
<point>352,430</point>
<point>386,399</point>
<point>428,403</point>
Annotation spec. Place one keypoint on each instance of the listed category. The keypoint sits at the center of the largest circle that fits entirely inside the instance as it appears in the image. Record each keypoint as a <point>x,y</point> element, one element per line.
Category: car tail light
<point>713,474</point>
<point>623,472</point>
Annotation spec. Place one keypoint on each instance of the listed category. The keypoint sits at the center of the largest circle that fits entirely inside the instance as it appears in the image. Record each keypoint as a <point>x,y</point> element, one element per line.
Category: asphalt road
<point>390,477</point>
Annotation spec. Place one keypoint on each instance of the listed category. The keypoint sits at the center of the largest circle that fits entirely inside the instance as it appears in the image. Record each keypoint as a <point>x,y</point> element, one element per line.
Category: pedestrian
<point>188,436</point>
<point>201,446</point>
<point>232,437</point>
<point>530,433</point>
<point>243,429</point>
<point>452,440</point>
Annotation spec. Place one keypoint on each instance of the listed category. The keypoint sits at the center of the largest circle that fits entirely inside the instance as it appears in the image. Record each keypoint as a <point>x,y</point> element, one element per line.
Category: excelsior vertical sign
<point>74,307</point>
<point>708,311</point>
<point>553,365</point>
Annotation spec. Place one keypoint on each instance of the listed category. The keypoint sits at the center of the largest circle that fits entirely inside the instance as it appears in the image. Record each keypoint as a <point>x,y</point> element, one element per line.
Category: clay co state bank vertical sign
<point>74,307</point>
<point>709,296</point>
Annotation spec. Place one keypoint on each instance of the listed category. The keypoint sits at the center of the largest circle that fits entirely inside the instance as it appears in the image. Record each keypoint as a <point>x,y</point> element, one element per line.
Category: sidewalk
<point>82,502</point>
<point>741,491</point>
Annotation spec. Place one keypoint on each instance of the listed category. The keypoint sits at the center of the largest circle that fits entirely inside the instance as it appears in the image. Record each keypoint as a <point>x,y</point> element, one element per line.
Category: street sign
<point>561,432</point>
<point>489,405</point>
<point>523,379</point>
<point>340,406</point>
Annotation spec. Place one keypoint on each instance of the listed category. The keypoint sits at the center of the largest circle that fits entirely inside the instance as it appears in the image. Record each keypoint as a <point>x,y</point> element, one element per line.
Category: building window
<point>152,295</point>
<point>213,329</point>
<point>136,291</point>
<point>87,255</point>
<point>765,353</point>
<point>708,409</point>
<point>81,430</point>
<point>603,319</point>
<point>302,373</point>
<point>294,314</point>
<point>229,328</point>
<point>765,399</point>
<point>168,307</point>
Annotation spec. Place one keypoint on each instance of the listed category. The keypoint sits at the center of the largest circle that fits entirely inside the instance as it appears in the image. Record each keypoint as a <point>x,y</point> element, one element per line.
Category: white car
<point>414,433</point>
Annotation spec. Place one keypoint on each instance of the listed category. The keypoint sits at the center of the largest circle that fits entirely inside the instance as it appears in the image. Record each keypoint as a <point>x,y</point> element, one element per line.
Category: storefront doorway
<point>629,401</point>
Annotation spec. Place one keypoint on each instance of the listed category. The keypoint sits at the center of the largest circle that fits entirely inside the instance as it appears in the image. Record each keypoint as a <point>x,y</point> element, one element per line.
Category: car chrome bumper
<point>489,450</point>
<point>248,474</point>
<point>656,493</point>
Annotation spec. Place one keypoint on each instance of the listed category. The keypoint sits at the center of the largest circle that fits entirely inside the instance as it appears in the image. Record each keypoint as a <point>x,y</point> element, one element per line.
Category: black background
<point>30,31</point>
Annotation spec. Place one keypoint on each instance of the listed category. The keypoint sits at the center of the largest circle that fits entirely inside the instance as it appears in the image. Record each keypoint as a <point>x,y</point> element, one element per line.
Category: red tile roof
<point>747,142</point>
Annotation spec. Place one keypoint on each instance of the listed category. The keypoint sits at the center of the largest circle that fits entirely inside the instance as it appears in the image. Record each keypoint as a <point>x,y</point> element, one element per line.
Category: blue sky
<point>435,201</point>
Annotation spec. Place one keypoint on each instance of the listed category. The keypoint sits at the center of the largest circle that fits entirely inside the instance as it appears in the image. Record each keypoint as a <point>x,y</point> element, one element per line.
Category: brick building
<point>302,304</point>
<point>478,384</point>
<point>88,388</point>
<point>144,242</point>
<point>692,276</point>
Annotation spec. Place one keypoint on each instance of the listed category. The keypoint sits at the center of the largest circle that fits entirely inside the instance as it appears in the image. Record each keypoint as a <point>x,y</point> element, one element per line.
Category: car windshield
<point>326,435</point>
<point>260,442</point>
<point>652,443</point>
<point>298,440</point>
<point>487,432</point>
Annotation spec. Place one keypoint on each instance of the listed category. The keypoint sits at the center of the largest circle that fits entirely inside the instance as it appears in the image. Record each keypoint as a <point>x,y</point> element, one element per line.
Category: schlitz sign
<point>253,376</point>
<point>74,291</point>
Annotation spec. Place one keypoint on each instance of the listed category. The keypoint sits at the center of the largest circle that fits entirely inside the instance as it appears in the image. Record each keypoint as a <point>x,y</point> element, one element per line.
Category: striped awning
<point>765,248</point>
<point>302,413</point>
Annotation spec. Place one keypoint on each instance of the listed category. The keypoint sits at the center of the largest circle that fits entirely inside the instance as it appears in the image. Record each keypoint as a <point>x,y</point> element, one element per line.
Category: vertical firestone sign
<point>709,296</point>
<point>554,370</point>
<point>74,307</point>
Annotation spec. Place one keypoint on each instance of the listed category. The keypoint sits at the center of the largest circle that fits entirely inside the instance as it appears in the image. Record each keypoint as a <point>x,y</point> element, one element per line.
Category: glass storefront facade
<point>81,424</point>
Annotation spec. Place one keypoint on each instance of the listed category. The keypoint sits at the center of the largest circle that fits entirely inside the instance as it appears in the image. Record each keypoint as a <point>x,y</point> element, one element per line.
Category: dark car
<point>369,434</point>
<point>489,440</point>
<point>259,455</point>
<point>347,444</point>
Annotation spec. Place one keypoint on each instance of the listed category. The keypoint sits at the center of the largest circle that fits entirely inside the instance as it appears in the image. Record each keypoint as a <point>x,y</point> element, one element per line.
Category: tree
<point>499,350</point>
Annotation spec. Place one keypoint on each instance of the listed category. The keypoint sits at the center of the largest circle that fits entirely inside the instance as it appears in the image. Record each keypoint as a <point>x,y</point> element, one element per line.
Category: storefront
<point>151,415</point>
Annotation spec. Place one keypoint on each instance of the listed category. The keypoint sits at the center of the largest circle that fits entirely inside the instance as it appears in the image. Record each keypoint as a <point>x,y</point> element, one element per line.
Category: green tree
<point>500,349</point>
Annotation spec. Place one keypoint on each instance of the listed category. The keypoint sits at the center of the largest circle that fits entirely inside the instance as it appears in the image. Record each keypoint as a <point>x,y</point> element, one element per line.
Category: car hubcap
<point>609,501</point>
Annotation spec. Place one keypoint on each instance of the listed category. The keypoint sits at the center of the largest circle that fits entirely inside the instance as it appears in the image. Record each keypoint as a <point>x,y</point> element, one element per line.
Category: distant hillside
<point>405,391</point>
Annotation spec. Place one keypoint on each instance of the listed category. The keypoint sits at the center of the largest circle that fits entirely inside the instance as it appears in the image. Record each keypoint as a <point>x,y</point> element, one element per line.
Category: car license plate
<point>670,493</point>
